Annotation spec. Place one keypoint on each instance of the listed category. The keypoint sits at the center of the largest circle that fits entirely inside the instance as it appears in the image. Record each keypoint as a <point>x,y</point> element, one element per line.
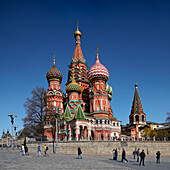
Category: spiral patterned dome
<point>73,87</point>
<point>109,89</point>
<point>54,73</point>
<point>98,71</point>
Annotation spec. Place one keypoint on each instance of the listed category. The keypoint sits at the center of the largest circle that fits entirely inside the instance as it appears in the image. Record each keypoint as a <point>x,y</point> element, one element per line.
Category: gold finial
<point>54,58</point>
<point>97,48</point>
<point>77,31</point>
<point>77,25</point>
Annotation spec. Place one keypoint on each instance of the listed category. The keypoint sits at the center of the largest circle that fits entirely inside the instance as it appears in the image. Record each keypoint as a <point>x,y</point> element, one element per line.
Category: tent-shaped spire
<point>80,113</point>
<point>136,105</point>
<point>67,113</point>
<point>78,55</point>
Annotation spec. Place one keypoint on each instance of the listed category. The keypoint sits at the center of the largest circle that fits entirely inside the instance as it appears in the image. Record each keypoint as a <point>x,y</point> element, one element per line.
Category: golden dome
<point>77,32</point>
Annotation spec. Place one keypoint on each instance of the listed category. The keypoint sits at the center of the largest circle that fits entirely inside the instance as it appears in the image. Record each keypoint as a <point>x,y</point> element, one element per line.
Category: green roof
<point>79,114</point>
<point>67,113</point>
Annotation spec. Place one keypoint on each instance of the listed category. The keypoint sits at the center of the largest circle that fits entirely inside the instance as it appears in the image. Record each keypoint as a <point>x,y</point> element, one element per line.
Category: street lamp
<point>11,114</point>
<point>56,111</point>
<point>15,129</point>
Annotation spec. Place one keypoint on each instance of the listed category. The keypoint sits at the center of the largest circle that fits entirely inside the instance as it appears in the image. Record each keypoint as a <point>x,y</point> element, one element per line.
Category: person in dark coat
<point>158,154</point>
<point>79,153</point>
<point>116,154</point>
<point>134,153</point>
<point>124,155</point>
<point>142,157</point>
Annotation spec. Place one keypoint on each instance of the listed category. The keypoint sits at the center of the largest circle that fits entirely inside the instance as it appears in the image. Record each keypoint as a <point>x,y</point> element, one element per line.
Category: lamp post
<point>11,114</point>
<point>15,129</point>
<point>56,111</point>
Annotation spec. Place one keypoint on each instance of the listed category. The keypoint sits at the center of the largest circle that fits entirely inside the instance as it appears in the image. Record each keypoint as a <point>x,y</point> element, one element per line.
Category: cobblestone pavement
<point>12,160</point>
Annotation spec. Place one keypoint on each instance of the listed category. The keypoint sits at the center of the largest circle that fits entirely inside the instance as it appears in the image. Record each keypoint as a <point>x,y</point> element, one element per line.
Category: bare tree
<point>168,117</point>
<point>35,111</point>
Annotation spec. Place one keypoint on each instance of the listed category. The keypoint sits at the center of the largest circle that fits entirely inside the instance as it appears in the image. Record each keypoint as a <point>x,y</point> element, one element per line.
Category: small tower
<point>137,115</point>
<point>54,97</point>
<point>98,76</point>
<point>73,91</point>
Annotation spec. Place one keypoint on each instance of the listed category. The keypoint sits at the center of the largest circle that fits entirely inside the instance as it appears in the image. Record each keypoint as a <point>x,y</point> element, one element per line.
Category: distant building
<point>137,118</point>
<point>6,139</point>
<point>85,110</point>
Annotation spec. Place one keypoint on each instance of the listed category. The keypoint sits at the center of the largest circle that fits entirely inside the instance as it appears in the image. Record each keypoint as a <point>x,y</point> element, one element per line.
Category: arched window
<point>100,121</point>
<point>108,122</point>
<point>96,121</point>
<point>143,118</point>
<point>114,124</point>
<point>137,118</point>
<point>105,121</point>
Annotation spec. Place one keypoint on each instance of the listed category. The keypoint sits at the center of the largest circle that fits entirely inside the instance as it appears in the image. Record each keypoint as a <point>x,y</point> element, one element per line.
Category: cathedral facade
<point>84,111</point>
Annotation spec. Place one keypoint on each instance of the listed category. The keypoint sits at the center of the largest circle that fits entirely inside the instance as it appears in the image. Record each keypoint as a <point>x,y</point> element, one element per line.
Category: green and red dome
<point>54,73</point>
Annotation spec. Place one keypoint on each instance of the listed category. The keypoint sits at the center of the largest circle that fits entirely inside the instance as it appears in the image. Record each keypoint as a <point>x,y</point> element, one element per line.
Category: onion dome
<point>109,90</point>
<point>54,73</point>
<point>98,71</point>
<point>73,87</point>
<point>77,32</point>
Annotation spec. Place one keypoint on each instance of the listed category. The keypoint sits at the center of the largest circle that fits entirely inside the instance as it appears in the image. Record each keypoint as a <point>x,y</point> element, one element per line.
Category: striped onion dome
<point>54,73</point>
<point>73,87</point>
<point>98,71</point>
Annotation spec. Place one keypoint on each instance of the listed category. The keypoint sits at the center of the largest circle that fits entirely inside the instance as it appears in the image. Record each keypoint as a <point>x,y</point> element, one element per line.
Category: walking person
<point>79,153</point>
<point>22,150</point>
<point>38,151</point>
<point>142,157</point>
<point>116,154</point>
<point>158,154</point>
<point>124,155</point>
<point>138,155</point>
<point>134,153</point>
<point>45,150</point>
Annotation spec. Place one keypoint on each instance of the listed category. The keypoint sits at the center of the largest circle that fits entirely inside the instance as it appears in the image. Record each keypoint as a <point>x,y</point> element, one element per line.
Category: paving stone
<point>13,160</point>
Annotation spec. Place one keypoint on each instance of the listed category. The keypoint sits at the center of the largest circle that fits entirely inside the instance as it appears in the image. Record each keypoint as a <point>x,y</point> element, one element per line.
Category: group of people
<point>141,156</point>
<point>24,150</point>
<point>39,150</point>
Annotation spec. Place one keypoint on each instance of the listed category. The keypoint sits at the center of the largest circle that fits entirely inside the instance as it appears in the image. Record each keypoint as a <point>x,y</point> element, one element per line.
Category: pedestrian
<point>79,153</point>
<point>142,157</point>
<point>124,155</point>
<point>45,150</point>
<point>158,154</point>
<point>22,150</point>
<point>101,136</point>
<point>38,151</point>
<point>138,155</point>
<point>134,153</point>
<point>116,154</point>
<point>26,150</point>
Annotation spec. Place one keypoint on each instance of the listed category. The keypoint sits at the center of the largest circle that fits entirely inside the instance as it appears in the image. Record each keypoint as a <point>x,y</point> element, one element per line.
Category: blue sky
<point>133,39</point>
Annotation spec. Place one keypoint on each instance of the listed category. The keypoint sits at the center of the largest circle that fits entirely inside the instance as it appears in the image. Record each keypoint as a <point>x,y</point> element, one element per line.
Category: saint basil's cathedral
<point>84,111</point>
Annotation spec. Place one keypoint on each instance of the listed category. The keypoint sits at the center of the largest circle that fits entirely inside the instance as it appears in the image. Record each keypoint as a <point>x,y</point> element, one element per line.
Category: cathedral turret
<point>78,68</point>
<point>98,76</point>
<point>54,77</point>
<point>137,115</point>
